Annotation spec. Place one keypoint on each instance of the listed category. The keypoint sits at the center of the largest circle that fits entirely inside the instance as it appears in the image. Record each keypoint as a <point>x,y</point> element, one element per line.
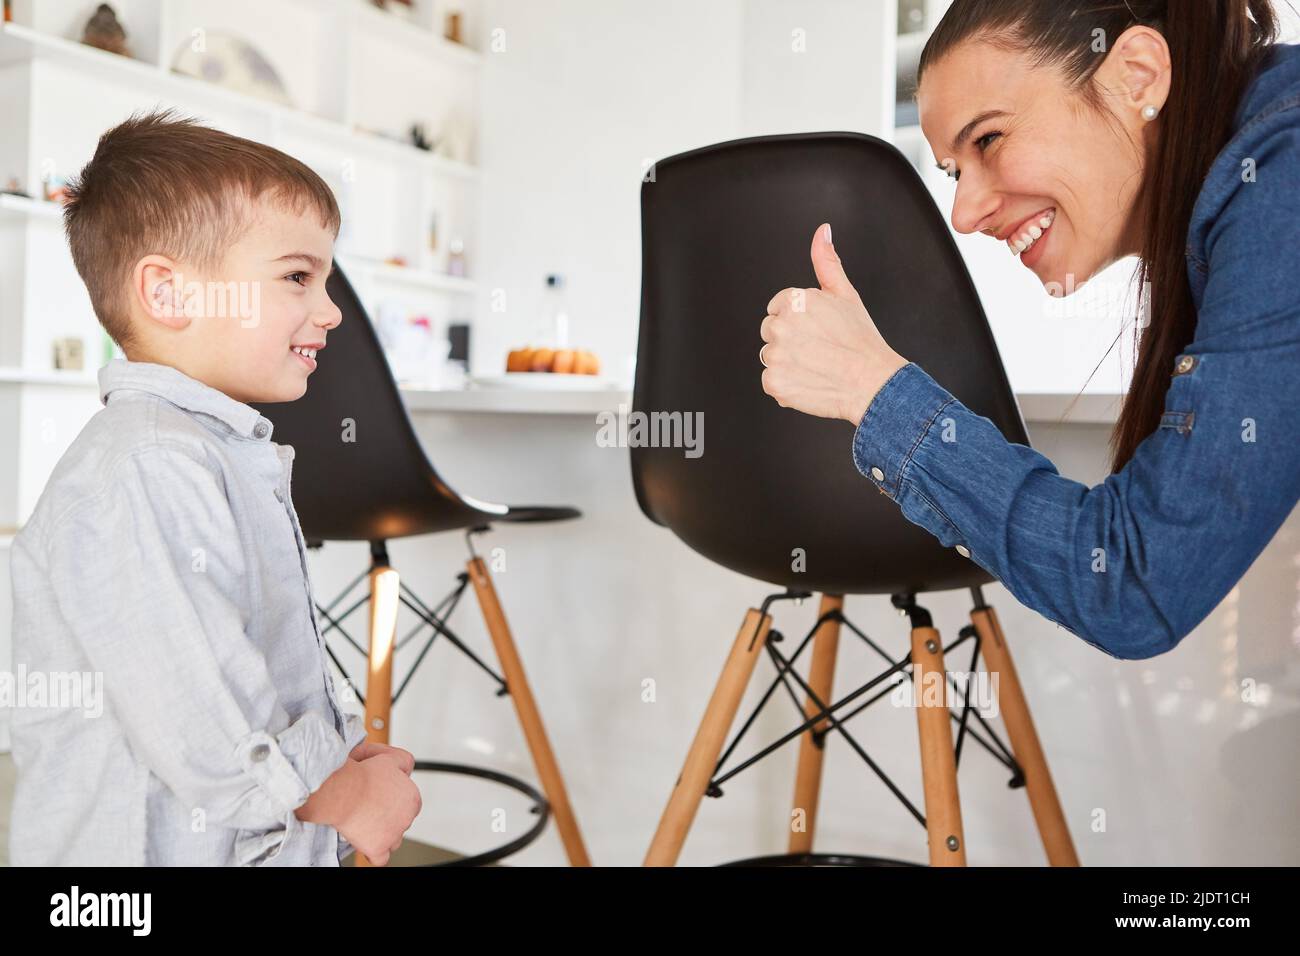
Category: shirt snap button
<point>1186,363</point>
<point>877,474</point>
<point>260,752</point>
<point>963,551</point>
<point>259,430</point>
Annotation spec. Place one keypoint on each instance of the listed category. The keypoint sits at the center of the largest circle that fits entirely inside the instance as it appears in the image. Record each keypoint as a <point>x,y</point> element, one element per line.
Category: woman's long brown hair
<point>1215,47</point>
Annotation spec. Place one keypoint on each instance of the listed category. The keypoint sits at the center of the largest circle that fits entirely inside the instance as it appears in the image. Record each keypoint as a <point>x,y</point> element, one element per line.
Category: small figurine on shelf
<point>14,188</point>
<point>452,31</point>
<point>104,32</point>
<point>418,138</point>
<point>456,258</point>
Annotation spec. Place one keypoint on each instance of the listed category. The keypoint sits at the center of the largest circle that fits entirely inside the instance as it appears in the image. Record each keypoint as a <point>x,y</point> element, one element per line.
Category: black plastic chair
<point>371,481</point>
<point>723,229</point>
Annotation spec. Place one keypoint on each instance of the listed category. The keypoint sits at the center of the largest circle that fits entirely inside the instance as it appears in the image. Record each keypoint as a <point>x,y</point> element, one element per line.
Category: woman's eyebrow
<point>970,127</point>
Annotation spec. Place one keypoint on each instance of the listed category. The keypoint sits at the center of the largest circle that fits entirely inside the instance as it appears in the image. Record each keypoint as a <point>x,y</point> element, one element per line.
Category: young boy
<point>164,556</point>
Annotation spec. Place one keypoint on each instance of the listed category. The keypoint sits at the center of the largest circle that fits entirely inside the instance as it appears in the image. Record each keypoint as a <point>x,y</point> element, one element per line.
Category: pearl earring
<point>1150,112</point>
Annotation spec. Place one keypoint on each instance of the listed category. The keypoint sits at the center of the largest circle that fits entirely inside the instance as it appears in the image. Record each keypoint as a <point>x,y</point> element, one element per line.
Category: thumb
<point>827,265</point>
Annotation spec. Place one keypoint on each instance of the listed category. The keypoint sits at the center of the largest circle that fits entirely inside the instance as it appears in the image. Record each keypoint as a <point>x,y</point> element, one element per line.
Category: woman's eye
<point>296,276</point>
<point>986,140</point>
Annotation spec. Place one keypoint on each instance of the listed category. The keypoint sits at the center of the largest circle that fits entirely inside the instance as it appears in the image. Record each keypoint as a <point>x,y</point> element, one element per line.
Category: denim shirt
<point>1134,564</point>
<point>163,574</point>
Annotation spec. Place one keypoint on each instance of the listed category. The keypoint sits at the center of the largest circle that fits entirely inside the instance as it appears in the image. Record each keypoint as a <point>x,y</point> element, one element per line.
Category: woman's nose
<point>974,207</point>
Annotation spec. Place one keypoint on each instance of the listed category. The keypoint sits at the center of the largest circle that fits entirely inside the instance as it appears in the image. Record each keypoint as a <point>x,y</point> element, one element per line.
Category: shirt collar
<point>184,392</point>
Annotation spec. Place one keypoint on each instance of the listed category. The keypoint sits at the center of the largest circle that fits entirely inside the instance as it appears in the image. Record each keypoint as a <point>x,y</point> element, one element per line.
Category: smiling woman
<point>1110,112</point>
<point>1079,132</point>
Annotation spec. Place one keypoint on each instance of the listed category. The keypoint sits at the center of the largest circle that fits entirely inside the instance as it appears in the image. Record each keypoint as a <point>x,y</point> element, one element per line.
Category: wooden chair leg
<point>821,678</point>
<point>1028,751</point>
<point>709,739</point>
<point>383,631</point>
<point>938,758</point>
<point>379,677</point>
<point>530,718</point>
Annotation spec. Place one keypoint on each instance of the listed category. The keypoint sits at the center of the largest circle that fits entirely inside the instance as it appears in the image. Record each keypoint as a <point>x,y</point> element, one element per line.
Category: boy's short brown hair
<point>165,184</point>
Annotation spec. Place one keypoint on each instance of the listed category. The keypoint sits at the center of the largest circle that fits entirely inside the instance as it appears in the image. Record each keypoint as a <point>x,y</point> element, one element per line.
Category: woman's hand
<point>824,354</point>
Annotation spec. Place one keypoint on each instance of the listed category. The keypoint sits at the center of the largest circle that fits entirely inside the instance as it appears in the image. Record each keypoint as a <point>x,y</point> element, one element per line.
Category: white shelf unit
<point>907,49</point>
<point>350,70</point>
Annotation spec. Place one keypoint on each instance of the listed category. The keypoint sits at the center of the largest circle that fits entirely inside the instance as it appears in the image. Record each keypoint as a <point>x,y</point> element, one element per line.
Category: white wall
<point>587,93</point>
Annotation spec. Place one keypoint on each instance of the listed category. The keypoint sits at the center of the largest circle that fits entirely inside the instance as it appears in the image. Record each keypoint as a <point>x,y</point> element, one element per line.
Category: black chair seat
<point>360,473</point>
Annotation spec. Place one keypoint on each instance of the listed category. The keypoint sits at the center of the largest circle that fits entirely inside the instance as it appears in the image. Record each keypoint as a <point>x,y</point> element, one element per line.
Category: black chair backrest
<point>726,227</point>
<point>379,484</point>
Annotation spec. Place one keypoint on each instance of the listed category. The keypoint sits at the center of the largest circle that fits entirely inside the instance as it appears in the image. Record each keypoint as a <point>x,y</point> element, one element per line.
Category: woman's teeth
<point>1035,231</point>
<point>310,353</point>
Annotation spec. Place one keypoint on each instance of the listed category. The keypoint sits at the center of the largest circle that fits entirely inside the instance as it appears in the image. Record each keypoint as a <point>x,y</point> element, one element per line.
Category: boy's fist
<point>382,802</point>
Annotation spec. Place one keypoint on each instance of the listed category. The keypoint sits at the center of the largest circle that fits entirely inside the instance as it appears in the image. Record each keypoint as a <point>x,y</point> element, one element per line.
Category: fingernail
<point>828,235</point>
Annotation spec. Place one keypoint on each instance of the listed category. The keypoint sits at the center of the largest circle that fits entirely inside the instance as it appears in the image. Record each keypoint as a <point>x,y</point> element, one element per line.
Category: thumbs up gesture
<point>824,355</point>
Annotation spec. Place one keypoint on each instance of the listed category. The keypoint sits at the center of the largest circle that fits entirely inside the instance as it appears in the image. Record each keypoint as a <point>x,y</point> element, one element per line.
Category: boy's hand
<point>367,749</point>
<point>379,803</point>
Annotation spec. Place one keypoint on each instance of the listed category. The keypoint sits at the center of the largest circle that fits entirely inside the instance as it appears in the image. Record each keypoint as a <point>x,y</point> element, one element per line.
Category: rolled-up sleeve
<point>150,577</point>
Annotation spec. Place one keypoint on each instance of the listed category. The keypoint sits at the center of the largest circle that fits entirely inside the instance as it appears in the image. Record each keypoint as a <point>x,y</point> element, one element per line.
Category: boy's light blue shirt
<point>165,557</point>
<point>1133,564</point>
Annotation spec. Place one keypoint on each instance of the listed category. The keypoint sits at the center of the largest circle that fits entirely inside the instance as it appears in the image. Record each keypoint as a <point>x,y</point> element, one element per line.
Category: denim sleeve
<point>150,578</point>
<point>1133,564</point>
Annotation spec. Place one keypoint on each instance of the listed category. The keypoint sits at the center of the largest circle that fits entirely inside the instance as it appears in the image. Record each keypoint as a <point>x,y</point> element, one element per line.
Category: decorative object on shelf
<point>458,336</point>
<point>104,31</point>
<point>409,342</point>
<point>9,12</point>
<point>433,232</point>
<point>396,261</point>
<point>418,138</point>
<point>14,188</point>
<point>457,134</point>
<point>55,188</point>
<point>69,354</point>
<point>452,30</point>
<point>230,61</point>
<point>398,8</point>
<point>456,258</point>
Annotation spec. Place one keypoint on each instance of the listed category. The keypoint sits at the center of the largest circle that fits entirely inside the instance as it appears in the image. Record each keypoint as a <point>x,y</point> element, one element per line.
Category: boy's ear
<point>158,287</point>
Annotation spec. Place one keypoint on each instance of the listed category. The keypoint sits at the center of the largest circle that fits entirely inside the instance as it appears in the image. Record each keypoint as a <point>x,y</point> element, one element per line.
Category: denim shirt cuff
<point>895,424</point>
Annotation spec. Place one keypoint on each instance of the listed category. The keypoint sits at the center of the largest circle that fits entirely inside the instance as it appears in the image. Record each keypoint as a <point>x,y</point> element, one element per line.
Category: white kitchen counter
<point>1045,407</point>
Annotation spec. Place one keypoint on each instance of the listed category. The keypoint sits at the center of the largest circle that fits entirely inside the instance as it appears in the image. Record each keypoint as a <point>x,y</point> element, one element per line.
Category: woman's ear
<point>1136,74</point>
<point>158,288</point>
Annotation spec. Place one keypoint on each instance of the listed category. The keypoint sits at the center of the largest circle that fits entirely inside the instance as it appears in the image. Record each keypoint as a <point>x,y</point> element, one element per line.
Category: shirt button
<point>963,551</point>
<point>259,430</point>
<point>877,474</point>
<point>260,752</point>
<point>1186,363</point>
